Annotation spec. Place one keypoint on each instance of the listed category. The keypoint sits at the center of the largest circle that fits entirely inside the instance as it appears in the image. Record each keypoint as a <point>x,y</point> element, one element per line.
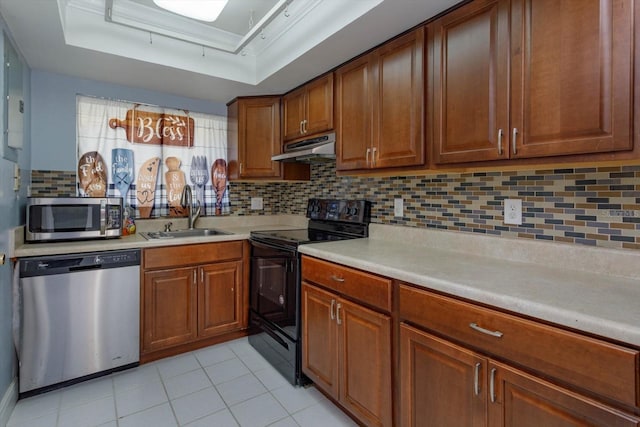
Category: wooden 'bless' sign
<point>145,127</point>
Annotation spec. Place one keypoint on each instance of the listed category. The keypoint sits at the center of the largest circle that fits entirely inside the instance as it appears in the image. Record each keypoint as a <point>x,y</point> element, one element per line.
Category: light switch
<point>256,203</point>
<point>16,177</point>
<point>513,211</point>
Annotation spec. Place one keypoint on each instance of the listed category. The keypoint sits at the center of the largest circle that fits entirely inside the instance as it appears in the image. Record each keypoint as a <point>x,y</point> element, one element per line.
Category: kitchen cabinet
<point>346,346</point>
<point>220,298</point>
<point>308,110</point>
<point>449,369</point>
<point>523,79</point>
<point>169,308</point>
<point>253,137</point>
<point>190,293</point>
<point>379,107</point>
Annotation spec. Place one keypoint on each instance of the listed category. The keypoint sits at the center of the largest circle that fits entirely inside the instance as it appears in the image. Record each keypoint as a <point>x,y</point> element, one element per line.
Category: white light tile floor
<point>226,385</point>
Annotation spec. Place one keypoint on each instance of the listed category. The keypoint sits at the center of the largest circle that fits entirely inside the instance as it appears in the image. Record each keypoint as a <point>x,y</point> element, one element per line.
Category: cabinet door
<point>319,338</point>
<point>572,74</point>
<point>398,138</point>
<point>169,308</point>
<point>364,343</point>
<point>441,383</point>
<point>220,298</point>
<point>319,105</point>
<point>470,93</point>
<point>259,137</point>
<point>353,114</point>
<point>522,400</point>
<point>293,112</point>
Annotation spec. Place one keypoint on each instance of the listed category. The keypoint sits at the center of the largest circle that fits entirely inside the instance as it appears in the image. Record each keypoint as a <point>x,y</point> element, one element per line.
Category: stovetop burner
<point>329,220</point>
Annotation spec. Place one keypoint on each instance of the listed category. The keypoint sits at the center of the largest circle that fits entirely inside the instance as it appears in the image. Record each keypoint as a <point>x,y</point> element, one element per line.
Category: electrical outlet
<point>398,207</point>
<point>513,211</point>
<point>256,204</point>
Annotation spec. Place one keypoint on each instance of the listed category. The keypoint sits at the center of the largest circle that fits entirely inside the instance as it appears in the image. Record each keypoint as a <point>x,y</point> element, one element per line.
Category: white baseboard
<point>8,402</point>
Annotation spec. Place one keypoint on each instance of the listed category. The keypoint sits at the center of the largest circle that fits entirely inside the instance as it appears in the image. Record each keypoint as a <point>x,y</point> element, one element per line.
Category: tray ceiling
<point>133,42</point>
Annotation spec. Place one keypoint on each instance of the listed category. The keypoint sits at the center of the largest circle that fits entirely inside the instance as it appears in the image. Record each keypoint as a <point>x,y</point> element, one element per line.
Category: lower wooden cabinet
<point>201,298</point>
<point>169,308</point>
<point>444,384</point>
<point>438,382</point>
<point>220,298</point>
<point>346,351</point>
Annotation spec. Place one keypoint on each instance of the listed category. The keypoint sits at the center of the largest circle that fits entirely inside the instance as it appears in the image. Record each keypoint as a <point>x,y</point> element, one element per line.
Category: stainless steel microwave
<point>73,218</point>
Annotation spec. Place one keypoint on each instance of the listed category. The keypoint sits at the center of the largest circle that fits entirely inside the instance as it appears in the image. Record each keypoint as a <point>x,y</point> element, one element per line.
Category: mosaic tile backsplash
<point>598,206</point>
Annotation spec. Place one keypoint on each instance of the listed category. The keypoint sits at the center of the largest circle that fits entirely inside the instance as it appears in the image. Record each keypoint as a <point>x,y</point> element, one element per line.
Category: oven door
<point>274,286</point>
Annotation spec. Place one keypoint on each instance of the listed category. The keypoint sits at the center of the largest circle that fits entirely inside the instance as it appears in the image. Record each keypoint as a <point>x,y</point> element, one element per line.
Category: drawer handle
<point>476,379</point>
<point>332,311</point>
<point>492,385</point>
<point>475,326</point>
<point>336,278</point>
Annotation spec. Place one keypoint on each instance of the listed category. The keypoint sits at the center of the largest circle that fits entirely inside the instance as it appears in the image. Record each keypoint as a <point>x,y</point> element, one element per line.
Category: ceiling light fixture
<point>202,10</point>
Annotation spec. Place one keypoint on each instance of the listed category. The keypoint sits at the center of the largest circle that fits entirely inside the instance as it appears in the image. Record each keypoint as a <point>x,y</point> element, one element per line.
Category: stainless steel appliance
<point>80,317</point>
<point>320,148</point>
<point>274,293</point>
<point>73,218</point>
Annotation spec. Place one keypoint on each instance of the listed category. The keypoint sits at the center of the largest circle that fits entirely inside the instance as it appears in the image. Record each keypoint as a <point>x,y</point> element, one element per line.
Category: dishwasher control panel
<point>63,264</point>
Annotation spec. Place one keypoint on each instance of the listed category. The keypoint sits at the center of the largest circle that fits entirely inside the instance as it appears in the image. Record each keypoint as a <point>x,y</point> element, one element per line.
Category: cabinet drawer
<point>172,256</point>
<point>594,365</point>
<point>368,288</point>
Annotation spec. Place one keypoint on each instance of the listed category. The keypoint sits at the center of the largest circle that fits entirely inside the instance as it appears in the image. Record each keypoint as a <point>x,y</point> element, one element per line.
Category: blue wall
<point>11,215</point>
<point>53,126</point>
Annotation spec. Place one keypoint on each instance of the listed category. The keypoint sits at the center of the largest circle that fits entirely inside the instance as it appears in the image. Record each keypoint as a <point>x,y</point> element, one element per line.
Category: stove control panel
<point>354,211</point>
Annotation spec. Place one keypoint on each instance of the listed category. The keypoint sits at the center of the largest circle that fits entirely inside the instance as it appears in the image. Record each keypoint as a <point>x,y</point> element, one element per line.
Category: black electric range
<point>274,293</point>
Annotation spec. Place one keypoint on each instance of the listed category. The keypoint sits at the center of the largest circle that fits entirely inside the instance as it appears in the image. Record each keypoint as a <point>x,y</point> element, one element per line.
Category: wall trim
<point>8,402</point>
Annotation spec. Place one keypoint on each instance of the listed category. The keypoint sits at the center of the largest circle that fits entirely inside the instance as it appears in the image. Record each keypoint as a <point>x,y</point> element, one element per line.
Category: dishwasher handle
<point>86,267</point>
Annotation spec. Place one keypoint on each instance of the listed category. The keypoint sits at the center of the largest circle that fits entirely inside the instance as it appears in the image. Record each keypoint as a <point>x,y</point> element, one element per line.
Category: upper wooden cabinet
<point>524,78</point>
<point>379,107</point>
<point>253,137</point>
<point>308,110</point>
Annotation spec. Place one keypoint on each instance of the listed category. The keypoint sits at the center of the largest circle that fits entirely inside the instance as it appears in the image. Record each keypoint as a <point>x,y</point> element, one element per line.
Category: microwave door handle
<point>103,217</point>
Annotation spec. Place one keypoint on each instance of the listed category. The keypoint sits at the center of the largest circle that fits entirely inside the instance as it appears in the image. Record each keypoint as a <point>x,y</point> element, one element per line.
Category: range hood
<point>318,149</point>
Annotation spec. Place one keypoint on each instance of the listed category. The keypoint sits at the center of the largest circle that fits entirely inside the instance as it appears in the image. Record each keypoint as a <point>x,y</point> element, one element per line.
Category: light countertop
<point>594,290</point>
<point>238,226</point>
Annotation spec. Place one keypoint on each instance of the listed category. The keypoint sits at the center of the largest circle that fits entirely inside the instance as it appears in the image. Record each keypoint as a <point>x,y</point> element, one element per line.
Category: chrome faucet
<point>187,202</point>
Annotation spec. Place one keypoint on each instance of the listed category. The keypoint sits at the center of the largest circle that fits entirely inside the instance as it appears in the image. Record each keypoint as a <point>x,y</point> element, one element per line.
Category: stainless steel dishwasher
<point>80,317</point>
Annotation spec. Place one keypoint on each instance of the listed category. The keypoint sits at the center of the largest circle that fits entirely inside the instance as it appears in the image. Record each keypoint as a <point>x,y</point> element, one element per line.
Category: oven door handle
<point>267,246</point>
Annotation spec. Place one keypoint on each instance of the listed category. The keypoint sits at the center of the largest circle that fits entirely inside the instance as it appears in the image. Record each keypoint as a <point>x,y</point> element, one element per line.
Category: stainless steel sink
<point>194,232</point>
